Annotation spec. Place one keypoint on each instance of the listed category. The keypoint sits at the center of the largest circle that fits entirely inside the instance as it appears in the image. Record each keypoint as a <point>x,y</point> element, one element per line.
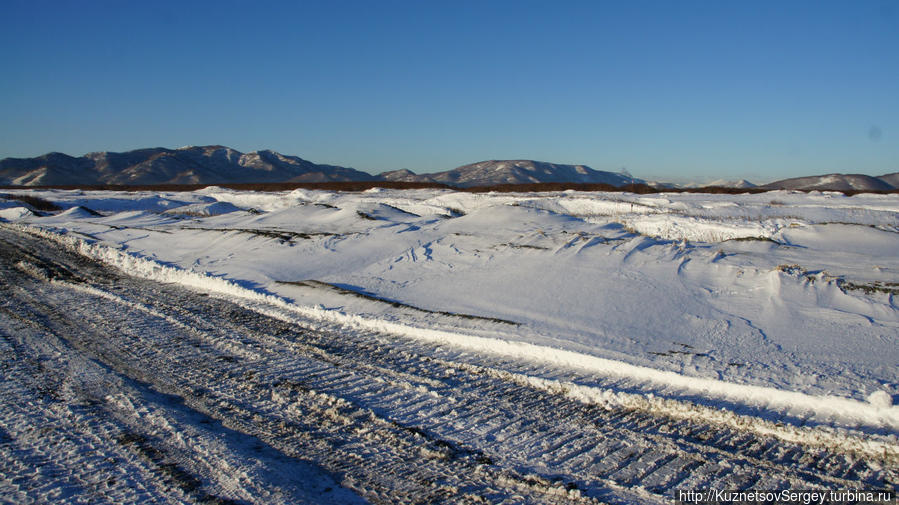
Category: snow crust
<point>15,213</point>
<point>780,300</point>
<point>204,209</point>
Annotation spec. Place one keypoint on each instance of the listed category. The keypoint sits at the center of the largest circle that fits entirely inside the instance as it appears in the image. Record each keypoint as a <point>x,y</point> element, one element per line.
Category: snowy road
<point>122,390</point>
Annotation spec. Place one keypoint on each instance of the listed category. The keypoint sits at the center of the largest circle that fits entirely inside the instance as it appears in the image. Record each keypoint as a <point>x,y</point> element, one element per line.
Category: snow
<point>779,301</point>
<point>15,213</point>
<point>204,209</point>
<point>880,399</point>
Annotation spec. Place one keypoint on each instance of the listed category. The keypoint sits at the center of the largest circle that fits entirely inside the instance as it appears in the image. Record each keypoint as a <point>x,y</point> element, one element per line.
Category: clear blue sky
<point>667,89</point>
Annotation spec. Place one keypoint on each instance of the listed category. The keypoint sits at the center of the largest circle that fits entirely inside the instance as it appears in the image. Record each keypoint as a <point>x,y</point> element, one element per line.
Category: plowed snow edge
<point>843,410</point>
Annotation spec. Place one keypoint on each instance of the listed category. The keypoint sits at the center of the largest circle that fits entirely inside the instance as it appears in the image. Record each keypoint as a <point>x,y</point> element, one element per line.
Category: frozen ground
<point>769,314</point>
<point>782,290</point>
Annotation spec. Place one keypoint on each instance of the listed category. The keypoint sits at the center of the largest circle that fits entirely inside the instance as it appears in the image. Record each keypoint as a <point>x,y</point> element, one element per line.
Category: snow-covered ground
<point>775,302</point>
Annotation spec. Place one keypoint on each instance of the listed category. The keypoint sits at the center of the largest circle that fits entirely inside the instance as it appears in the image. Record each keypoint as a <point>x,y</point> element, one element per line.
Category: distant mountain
<point>891,179</point>
<point>187,165</point>
<point>493,172</point>
<point>720,183</point>
<point>723,183</point>
<point>405,175</point>
<point>838,182</point>
<point>223,165</point>
<point>49,167</point>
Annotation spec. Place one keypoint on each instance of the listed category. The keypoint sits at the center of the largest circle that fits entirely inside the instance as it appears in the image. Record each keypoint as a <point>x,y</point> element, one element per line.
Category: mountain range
<point>495,172</point>
<point>223,165</point>
<point>839,182</point>
<point>187,165</point>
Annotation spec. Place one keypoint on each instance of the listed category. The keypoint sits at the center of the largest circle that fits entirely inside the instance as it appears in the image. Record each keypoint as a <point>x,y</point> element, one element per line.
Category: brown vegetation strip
<point>35,202</point>
<point>890,288</point>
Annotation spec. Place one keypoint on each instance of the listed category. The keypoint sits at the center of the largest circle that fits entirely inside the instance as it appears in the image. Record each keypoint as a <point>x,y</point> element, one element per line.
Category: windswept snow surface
<point>779,305</point>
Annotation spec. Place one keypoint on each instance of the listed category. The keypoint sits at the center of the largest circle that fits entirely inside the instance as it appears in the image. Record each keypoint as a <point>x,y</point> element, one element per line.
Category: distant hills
<point>829,182</point>
<point>838,182</point>
<point>721,183</point>
<point>187,165</point>
<point>494,172</point>
<point>223,165</point>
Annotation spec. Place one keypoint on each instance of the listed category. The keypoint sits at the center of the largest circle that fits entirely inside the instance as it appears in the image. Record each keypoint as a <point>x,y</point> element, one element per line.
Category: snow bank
<point>591,207</point>
<point>204,209</point>
<point>564,268</point>
<point>874,413</point>
<point>15,213</point>
<point>78,212</point>
<point>674,227</point>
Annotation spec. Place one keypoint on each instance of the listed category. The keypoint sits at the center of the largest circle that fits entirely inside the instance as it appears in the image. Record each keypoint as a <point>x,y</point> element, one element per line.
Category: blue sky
<point>668,89</point>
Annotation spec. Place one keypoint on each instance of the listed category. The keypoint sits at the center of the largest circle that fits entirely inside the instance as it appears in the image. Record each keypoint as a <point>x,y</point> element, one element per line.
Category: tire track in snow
<point>398,420</point>
<point>786,407</point>
<point>387,463</point>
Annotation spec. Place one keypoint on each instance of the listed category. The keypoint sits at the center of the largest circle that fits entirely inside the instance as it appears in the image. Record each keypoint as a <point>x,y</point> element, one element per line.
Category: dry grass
<point>793,269</point>
<point>890,288</point>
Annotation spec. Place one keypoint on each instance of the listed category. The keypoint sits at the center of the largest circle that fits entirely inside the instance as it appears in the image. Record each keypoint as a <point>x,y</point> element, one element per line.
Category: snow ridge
<point>843,411</point>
